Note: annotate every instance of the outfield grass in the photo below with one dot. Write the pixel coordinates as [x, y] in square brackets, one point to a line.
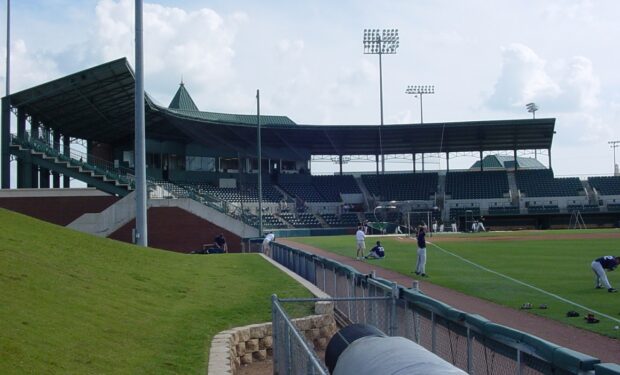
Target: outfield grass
[561, 267]
[74, 303]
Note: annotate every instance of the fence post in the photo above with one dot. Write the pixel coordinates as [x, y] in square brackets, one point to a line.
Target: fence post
[274, 333]
[393, 317]
[416, 316]
[470, 350]
[433, 332]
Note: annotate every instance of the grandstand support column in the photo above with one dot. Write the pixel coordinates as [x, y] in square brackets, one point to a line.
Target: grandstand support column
[515, 157]
[377, 161]
[6, 134]
[422, 162]
[66, 150]
[340, 163]
[24, 165]
[34, 134]
[548, 153]
[55, 174]
[44, 173]
[414, 155]
[481, 164]
[447, 161]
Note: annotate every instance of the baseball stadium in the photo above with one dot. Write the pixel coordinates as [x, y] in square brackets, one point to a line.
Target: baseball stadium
[508, 289]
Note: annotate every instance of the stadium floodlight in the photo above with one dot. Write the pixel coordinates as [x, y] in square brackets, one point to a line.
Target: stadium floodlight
[380, 42]
[614, 145]
[532, 108]
[419, 90]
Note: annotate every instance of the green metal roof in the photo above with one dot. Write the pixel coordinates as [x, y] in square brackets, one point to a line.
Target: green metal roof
[507, 162]
[182, 100]
[231, 118]
[183, 105]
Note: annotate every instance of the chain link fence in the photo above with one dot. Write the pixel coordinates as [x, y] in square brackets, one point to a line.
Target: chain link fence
[468, 341]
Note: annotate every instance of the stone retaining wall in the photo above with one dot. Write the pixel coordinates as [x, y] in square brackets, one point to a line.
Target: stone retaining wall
[243, 345]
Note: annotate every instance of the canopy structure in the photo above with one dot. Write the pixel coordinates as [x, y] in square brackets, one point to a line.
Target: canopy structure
[96, 104]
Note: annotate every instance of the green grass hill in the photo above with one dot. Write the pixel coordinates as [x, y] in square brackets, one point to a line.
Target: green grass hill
[74, 303]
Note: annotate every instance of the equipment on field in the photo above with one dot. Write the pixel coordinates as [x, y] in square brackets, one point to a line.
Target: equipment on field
[576, 220]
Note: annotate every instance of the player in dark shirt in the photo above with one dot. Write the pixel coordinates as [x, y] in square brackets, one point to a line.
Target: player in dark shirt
[220, 242]
[377, 252]
[599, 265]
[420, 268]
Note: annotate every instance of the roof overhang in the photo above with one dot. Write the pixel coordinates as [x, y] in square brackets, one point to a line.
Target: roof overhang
[98, 104]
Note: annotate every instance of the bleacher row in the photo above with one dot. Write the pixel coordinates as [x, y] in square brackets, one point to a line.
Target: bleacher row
[410, 186]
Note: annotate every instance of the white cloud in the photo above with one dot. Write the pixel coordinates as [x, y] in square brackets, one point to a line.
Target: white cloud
[197, 45]
[29, 68]
[523, 79]
[293, 48]
[562, 86]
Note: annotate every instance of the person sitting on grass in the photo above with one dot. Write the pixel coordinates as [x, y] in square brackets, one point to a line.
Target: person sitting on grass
[377, 252]
[598, 267]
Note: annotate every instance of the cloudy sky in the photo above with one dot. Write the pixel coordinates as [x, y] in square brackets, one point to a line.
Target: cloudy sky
[486, 59]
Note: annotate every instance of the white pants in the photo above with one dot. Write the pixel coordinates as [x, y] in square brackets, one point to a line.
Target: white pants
[267, 248]
[434, 227]
[441, 228]
[454, 227]
[601, 276]
[481, 227]
[421, 262]
[361, 248]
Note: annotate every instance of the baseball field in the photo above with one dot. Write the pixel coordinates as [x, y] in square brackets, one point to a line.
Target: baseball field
[550, 268]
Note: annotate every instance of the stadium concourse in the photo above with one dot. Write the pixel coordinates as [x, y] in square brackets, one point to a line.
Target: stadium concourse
[203, 169]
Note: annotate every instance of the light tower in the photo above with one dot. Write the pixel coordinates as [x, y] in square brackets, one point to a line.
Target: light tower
[614, 145]
[381, 42]
[419, 91]
[532, 108]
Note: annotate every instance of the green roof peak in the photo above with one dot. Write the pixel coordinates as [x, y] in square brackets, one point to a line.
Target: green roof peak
[182, 100]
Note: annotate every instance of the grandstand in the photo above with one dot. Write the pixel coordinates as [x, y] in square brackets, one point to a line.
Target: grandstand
[207, 163]
[477, 185]
[402, 186]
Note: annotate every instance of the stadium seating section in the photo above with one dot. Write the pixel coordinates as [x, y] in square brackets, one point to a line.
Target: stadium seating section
[477, 185]
[402, 187]
[248, 193]
[318, 188]
[544, 209]
[614, 207]
[344, 220]
[505, 210]
[301, 220]
[464, 211]
[541, 183]
[608, 185]
[583, 208]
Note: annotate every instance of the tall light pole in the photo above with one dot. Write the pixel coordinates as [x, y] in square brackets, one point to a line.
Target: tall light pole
[381, 42]
[8, 48]
[140, 142]
[419, 91]
[614, 145]
[532, 108]
[260, 166]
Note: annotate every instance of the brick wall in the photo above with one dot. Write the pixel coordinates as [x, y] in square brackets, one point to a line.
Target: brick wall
[57, 210]
[175, 229]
